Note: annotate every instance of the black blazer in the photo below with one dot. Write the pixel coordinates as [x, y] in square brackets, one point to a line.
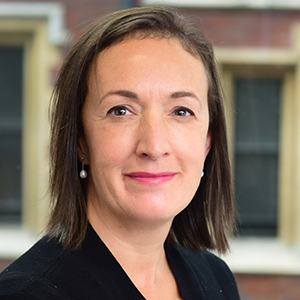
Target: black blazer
[47, 272]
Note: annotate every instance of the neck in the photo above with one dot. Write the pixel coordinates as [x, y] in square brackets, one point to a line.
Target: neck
[137, 246]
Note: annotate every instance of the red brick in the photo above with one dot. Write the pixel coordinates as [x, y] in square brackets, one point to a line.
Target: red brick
[265, 287]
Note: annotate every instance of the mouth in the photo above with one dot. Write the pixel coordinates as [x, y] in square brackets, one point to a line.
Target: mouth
[151, 178]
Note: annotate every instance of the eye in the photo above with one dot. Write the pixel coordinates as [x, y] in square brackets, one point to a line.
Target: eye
[119, 111]
[183, 112]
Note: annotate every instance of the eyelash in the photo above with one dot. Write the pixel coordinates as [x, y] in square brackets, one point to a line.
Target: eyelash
[185, 110]
[114, 109]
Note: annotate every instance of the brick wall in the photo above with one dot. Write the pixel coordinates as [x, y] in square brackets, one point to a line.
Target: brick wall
[81, 13]
[225, 28]
[245, 27]
[268, 287]
[4, 263]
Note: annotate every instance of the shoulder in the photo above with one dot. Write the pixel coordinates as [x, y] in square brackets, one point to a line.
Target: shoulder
[205, 260]
[212, 271]
[31, 266]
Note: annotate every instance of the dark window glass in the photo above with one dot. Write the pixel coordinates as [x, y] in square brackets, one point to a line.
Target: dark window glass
[10, 133]
[256, 154]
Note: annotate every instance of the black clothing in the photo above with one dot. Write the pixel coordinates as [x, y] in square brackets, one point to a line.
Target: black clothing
[47, 272]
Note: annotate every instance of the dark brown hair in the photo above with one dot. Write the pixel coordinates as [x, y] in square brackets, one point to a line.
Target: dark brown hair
[207, 220]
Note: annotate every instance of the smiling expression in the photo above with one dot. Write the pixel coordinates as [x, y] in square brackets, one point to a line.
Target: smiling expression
[146, 137]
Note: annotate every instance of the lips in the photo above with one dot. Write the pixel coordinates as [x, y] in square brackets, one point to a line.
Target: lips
[151, 178]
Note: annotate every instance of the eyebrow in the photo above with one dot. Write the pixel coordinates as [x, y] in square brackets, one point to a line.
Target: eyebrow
[122, 93]
[182, 94]
[132, 95]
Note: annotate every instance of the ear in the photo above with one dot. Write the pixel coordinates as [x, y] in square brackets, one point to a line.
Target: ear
[82, 149]
[208, 143]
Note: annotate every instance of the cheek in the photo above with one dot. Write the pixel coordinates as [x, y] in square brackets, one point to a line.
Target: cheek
[192, 141]
[193, 152]
[109, 146]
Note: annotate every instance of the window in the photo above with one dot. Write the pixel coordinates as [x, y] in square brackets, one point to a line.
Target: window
[261, 86]
[31, 36]
[256, 161]
[11, 61]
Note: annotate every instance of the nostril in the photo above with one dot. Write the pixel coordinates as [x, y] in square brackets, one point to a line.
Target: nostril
[153, 155]
[148, 155]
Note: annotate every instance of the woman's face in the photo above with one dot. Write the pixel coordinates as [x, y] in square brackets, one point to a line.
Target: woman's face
[146, 136]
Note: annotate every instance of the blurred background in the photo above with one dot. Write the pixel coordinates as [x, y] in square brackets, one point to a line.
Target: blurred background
[257, 44]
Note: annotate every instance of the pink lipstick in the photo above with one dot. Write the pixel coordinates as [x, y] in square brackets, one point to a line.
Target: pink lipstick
[151, 178]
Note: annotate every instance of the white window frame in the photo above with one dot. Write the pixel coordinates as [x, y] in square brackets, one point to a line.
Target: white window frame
[52, 12]
[39, 29]
[280, 255]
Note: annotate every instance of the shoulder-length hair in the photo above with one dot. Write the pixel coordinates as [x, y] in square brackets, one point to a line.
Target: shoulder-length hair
[206, 222]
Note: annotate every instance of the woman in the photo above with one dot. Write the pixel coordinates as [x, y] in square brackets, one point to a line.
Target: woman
[140, 177]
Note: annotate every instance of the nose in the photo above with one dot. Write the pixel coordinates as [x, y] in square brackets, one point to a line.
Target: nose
[153, 137]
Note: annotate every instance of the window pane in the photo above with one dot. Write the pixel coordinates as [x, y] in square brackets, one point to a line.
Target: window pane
[256, 154]
[10, 133]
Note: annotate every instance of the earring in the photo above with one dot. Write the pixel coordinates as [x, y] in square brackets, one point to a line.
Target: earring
[202, 174]
[83, 173]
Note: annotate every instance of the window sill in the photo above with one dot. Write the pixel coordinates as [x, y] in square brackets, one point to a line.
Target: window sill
[247, 256]
[263, 256]
[15, 240]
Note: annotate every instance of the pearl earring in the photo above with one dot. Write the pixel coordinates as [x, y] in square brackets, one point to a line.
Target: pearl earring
[83, 173]
[202, 174]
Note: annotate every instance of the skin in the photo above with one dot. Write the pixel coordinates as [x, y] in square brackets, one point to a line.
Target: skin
[146, 138]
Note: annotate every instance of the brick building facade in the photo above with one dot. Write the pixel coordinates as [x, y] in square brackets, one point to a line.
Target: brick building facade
[254, 45]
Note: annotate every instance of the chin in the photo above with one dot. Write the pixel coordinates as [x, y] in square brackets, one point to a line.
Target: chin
[157, 214]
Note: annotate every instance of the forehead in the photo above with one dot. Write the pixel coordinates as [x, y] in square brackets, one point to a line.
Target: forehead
[147, 56]
[134, 45]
